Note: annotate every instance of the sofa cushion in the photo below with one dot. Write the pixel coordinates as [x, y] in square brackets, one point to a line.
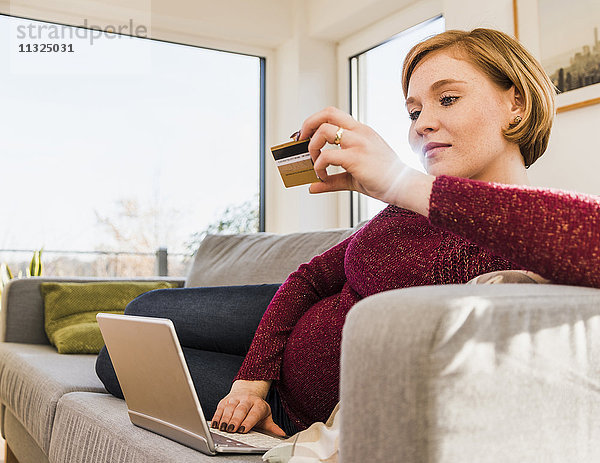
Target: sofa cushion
[225, 260]
[34, 377]
[95, 428]
[71, 308]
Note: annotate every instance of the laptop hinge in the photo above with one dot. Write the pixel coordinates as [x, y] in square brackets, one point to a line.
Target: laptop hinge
[173, 432]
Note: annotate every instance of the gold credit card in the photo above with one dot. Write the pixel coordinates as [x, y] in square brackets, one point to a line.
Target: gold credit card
[294, 163]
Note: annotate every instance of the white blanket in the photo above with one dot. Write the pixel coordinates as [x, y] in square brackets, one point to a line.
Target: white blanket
[319, 443]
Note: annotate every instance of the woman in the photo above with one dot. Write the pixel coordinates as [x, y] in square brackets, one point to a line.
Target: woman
[481, 109]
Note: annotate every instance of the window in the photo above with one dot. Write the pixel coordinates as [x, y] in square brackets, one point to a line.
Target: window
[119, 144]
[377, 99]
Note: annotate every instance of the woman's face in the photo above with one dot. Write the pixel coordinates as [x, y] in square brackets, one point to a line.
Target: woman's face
[457, 116]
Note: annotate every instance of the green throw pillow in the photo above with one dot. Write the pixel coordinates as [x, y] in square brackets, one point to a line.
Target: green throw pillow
[71, 308]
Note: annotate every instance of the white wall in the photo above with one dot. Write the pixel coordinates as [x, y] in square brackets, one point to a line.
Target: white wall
[300, 40]
[305, 82]
[572, 161]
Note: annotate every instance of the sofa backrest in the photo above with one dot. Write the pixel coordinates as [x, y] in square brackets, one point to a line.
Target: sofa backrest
[221, 260]
[257, 258]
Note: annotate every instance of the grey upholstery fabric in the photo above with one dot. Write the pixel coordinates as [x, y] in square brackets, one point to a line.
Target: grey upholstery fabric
[95, 428]
[21, 443]
[22, 314]
[34, 377]
[485, 373]
[24, 322]
[228, 260]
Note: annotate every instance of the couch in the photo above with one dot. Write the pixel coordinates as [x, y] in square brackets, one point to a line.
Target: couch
[486, 373]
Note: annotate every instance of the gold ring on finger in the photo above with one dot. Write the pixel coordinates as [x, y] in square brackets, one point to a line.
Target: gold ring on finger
[338, 136]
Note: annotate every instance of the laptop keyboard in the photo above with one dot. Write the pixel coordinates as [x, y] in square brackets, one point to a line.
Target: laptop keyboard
[252, 439]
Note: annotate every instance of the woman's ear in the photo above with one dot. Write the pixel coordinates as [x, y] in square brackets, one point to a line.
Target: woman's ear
[517, 101]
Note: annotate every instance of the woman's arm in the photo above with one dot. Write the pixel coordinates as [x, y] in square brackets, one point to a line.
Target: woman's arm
[550, 232]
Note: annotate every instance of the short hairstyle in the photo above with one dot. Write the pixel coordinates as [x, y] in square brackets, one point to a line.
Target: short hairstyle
[506, 62]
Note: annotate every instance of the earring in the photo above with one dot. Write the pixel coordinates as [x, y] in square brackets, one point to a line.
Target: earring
[517, 120]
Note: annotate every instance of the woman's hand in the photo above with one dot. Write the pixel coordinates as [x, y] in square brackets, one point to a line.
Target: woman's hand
[371, 166]
[245, 408]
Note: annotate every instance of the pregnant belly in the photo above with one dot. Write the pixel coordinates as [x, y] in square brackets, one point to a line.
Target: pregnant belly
[309, 381]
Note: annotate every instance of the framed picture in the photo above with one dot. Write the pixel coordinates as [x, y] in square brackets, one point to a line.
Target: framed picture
[565, 37]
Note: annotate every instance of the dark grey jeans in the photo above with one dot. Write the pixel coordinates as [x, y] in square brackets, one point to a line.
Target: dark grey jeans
[215, 327]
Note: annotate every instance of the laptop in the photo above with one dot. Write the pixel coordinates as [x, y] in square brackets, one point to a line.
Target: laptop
[158, 388]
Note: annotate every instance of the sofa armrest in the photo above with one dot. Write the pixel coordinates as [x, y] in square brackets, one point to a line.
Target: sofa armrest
[490, 373]
[22, 314]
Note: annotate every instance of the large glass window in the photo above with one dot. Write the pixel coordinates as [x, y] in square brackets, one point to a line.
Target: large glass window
[115, 146]
[377, 99]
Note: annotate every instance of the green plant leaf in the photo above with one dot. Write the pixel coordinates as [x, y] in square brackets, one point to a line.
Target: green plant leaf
[35, 267]
[5, 276]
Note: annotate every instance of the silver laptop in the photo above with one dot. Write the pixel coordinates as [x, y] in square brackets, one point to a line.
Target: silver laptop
[158, 388]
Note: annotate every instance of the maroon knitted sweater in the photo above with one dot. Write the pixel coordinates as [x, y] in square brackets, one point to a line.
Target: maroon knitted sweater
[470, 225]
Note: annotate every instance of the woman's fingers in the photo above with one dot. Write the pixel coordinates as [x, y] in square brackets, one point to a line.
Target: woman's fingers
[270, 426]
[234, 415]
[216, 419]
[233, 409]
[345, 158]
[228, 411]
[259, 412]
[337, 182]
[371, 166]
[240, 413]
[318, 141]
[327, 133]
[330, 115]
